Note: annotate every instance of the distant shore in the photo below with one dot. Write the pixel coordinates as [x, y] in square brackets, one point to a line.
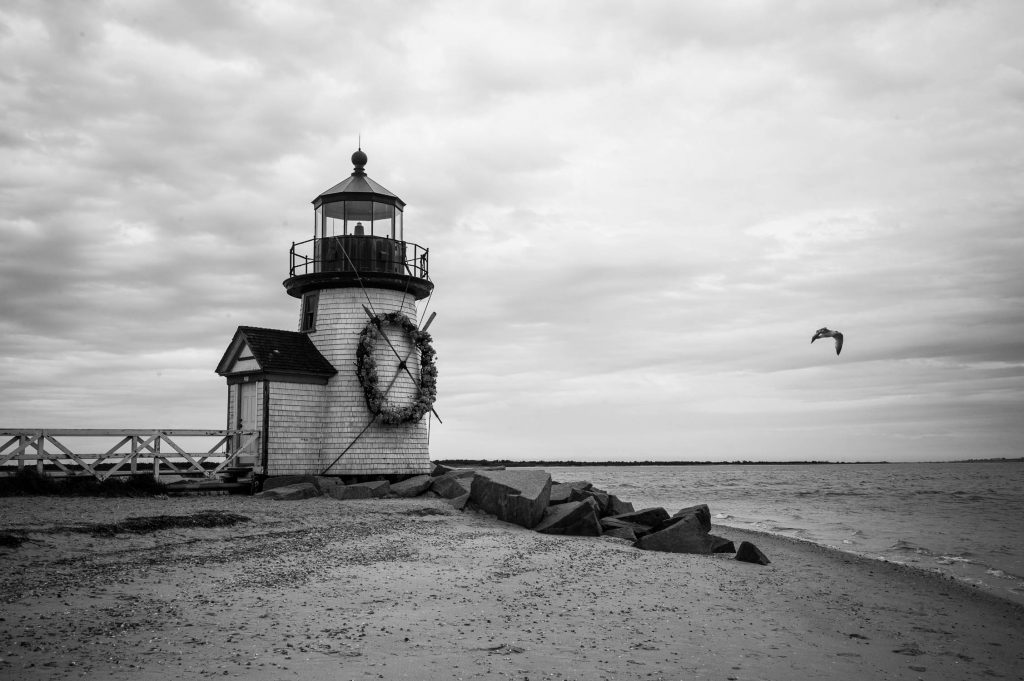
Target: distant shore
[478, 463]
[411, 589]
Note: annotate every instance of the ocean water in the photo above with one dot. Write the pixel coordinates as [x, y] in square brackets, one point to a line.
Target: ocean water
[965, 520]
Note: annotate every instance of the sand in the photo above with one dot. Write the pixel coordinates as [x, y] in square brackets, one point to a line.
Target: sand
[411, 589]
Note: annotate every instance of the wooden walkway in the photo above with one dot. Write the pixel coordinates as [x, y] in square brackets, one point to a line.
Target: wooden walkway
[197, 454]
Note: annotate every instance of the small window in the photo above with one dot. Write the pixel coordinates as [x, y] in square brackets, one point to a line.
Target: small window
[309, 305]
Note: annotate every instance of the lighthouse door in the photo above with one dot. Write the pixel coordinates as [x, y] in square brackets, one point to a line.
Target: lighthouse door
[247, 408]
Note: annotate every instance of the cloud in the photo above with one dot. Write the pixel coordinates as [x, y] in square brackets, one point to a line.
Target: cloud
[636, 216]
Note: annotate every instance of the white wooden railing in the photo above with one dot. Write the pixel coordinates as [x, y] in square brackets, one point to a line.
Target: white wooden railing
[104, 453]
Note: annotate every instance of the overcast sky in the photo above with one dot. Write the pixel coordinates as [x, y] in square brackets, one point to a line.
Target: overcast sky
[637, 214]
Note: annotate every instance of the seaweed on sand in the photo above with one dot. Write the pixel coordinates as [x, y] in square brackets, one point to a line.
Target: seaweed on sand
[29, 482]
[146, 524]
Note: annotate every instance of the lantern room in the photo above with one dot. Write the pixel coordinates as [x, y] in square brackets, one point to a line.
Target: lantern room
[358, 206]
[358, 240]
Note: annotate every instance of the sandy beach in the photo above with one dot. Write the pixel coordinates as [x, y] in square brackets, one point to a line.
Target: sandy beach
[412, 589]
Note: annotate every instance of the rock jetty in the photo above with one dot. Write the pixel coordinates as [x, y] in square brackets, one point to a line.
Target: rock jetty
[531, 499]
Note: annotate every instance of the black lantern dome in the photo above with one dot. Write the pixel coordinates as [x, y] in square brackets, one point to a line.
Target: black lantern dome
[358, 233]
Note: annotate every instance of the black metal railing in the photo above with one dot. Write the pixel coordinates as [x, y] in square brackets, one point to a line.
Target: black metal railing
[359, 254]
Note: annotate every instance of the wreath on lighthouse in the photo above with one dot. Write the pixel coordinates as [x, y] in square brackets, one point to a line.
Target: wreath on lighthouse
[366, 370]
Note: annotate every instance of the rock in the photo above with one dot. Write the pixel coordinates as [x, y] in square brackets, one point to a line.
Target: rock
[575, 484]
[561, 491]
[412, 487]
[701, 511]
[618, 507]
[648, 517]
[516, 496]
[748, 553]
[302, 490]
[600, 497]
[346, 492]
[440, 469]
[378, 488]
[608, 524]
[288, 480]
[621, 533]
[324, 483]
[560, 494]
[575, 518]
[449, 486]
[686, 535]
[459, 502]
[721, 545]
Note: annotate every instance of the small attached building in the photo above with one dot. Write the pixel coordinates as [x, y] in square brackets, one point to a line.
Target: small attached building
[277, 383]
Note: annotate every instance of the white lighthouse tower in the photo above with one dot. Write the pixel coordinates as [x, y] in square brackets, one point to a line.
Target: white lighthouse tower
[349, 393]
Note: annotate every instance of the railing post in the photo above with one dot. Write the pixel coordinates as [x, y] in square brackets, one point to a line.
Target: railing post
[155, 446]
[40, 451]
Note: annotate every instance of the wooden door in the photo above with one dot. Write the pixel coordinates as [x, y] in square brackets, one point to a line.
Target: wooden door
[247, 409]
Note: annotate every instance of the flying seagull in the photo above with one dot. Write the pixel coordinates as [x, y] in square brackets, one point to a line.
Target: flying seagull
[825, 332]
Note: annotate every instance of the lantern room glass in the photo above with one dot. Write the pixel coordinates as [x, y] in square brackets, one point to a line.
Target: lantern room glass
[367, 218]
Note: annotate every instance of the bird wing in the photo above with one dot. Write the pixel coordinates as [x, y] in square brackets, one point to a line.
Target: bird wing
[839, 341]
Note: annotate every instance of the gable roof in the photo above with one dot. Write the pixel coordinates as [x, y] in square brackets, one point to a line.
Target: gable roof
[276, 351]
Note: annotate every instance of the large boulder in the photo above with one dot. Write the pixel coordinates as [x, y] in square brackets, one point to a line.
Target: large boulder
[600, 497]
[450, 486]
[412, 487]
[288, 481]
[561, 492]
[721, 545]
[748, 553]
[617, 506]
[324, 483]
[517, 496]
[621, 533]
[648, 517]
[348, 492]
[441, 469]
[301, 490]
[608, 524]
[378, 488]
[702, 513]
[576, 518]
[686, 535]
[459, 502]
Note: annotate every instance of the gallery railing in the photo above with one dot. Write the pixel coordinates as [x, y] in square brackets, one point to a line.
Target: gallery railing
[359, 254]
[104, 453]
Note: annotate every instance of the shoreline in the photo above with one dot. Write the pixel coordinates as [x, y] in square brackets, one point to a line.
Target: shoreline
[327, 589]
[572, 463]
[967, 573]
[971, 586]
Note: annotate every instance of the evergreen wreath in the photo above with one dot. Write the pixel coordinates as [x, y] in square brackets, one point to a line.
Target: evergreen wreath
[366, 370]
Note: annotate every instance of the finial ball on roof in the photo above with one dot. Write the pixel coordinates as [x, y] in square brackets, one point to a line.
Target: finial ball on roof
[359, 158]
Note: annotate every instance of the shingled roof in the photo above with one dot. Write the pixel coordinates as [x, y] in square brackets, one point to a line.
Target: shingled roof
[279, 352]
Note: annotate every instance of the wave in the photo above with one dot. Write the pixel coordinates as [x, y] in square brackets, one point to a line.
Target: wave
[904, 546]
[784, 529]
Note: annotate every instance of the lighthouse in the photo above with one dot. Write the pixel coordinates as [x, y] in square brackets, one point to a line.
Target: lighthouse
[350, 392]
